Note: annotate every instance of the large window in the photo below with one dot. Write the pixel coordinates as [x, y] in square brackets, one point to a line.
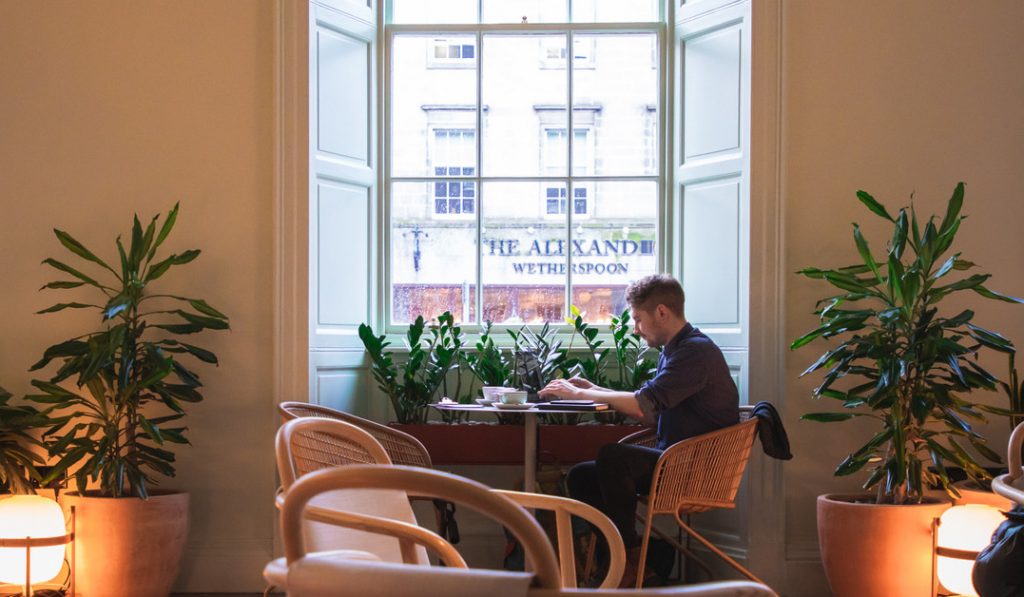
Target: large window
[495, 211]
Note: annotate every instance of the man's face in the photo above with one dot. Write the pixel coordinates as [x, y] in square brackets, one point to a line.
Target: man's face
[649, 325]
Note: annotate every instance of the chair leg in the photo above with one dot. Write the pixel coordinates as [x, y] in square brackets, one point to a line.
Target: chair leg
[640, 565]
[588, 568]
[689, 530]
[684, 550]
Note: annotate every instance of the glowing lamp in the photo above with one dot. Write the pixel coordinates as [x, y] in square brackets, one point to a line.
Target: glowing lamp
[963, 532]
[32, 539]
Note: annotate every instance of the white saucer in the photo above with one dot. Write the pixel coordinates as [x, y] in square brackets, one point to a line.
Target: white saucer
[484, 402]
[503, 406]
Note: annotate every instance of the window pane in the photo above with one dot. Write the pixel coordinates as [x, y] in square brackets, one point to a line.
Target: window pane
[433, 262]
[620, 94]
[523, 255]
[613, 247]
[433, 106]
[614, 11]
[434, 11]
[520, 98]
[535, 11]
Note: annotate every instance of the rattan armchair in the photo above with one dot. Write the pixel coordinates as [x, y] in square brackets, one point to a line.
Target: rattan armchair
[695, 475]
[402, 448]
[349, 525]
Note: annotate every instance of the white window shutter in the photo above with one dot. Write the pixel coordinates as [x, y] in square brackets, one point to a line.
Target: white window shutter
[342, 198]
[712, 195]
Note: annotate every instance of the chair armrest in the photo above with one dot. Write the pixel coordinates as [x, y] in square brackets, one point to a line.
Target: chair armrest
[420, 481]
[564, 507]
[402, 531]
[645, 437]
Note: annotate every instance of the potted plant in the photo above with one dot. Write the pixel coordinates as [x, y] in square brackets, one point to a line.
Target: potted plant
[18, 459]
[437, 353]
[898, 359]
[110, 384]
[433, 355]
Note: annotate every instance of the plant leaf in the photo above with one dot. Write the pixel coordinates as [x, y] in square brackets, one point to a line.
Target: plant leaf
[873, 205]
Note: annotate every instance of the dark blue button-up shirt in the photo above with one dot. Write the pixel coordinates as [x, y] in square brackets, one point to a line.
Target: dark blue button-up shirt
[692, 392]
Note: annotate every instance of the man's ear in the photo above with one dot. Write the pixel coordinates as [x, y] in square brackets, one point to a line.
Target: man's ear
[661, 311]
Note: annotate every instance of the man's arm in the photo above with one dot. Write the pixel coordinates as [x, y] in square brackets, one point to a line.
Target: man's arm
[623, 402]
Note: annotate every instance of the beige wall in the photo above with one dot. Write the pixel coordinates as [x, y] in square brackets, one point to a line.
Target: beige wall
[108, 108]
[892, 98]
[112, 107]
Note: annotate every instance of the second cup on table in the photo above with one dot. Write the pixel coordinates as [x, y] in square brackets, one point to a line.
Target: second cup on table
[513, 397]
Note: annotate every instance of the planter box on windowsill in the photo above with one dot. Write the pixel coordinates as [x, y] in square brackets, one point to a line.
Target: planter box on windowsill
[490, 443]
[468, 443]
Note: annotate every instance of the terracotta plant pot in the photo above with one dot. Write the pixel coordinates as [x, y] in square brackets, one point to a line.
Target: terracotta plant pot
[127, 546]
[872, 550]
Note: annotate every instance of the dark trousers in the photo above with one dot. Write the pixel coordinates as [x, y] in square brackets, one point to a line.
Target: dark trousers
[611, 484]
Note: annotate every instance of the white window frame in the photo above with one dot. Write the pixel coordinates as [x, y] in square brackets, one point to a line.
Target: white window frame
[664, 178]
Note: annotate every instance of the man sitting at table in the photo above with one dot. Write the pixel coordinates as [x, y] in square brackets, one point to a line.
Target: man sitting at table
[691, 393]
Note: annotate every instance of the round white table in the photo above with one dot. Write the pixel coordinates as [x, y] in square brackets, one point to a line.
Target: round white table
[529, 430]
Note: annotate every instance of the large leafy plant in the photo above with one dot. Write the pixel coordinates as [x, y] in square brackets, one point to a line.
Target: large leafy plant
[110, 381]
[903, 362]
[18, 459]
[431, 357]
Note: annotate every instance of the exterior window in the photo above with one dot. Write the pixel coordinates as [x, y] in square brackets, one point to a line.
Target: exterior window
[556, 203]
[554, 154]
[451, 52]
[453, 156]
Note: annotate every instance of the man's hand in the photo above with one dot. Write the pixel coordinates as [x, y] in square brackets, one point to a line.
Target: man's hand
[579, 382]
[562, 388]
[577, 388]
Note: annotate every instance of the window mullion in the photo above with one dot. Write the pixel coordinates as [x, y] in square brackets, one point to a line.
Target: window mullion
[479, 298]
[570, 187]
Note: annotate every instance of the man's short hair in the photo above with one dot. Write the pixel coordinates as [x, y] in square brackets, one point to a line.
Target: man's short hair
[657, 289]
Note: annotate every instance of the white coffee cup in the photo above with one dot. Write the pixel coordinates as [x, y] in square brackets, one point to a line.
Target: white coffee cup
[492, 393]
[513, 397]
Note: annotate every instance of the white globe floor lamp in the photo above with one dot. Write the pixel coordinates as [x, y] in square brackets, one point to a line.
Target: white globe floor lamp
[33, 537]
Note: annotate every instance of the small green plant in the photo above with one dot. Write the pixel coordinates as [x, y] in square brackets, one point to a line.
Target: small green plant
[18, 459]
[907, 365]
[537, 357]
[489, 363]
[431, 358]
[110, 380]
[592, 366]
